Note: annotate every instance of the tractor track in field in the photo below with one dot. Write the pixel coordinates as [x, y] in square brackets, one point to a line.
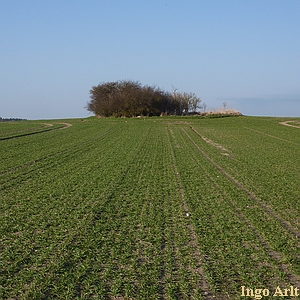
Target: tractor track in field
[286, 123]
[46, 129]
[272, 136]
[24, 130]
[266, 208]
[204, 286]
[162, 284]
[293, 278]
[33, 162]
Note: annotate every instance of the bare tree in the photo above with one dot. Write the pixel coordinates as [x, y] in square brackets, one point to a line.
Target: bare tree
[194, 102]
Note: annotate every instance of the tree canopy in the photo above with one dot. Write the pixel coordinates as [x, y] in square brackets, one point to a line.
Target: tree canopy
[129, 99]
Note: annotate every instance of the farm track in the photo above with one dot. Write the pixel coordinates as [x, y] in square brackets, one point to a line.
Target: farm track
[285, 223]
[64, 151]
[24, 130]
[195, 244]
[74, 234]
[287, 123]
[48, 127]
[272, 136]
[243, 167]
[148, 209]
[67, 125]
[293, 278]
[99, 214]
[275, 258]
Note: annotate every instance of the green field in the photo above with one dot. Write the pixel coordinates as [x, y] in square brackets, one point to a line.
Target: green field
[149, 208]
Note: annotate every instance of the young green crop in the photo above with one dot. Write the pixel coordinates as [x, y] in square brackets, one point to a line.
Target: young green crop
[148, 208]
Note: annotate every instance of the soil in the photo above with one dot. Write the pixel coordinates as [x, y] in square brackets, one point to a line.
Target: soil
[286, 123]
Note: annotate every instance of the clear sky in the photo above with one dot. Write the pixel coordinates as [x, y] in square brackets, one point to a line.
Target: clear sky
[242, 52]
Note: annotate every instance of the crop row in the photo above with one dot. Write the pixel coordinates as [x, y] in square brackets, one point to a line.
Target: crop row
[231, 227]
[141, 209]
[102, 222]
[267, 166]
[21, 129]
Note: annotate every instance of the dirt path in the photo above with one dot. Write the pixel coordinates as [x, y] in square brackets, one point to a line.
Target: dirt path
[67, 125]
[286, 123]
[51, 124]
[47, 124]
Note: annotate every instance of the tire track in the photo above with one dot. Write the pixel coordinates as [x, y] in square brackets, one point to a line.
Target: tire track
[293, 278]
[25, 130]
[162, 283]
[199, 257]
[47, 128]
[28, 133]
[30, 163]
[67, 125]
[272, 136]
[285, 223]
[94, 209]
[286, 123]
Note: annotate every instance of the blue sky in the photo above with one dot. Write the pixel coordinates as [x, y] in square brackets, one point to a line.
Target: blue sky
[242, 52]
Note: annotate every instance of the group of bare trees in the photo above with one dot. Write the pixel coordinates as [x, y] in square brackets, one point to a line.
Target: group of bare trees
[130, 98]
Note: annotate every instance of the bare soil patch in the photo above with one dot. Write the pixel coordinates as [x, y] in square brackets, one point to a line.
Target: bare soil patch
[67, 125]
[47, 124]
[51, 124]
[296, 124]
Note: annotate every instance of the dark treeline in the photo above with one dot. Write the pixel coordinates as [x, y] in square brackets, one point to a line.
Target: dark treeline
[130, 98]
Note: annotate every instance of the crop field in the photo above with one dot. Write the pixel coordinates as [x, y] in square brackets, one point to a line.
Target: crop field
[150, 208]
